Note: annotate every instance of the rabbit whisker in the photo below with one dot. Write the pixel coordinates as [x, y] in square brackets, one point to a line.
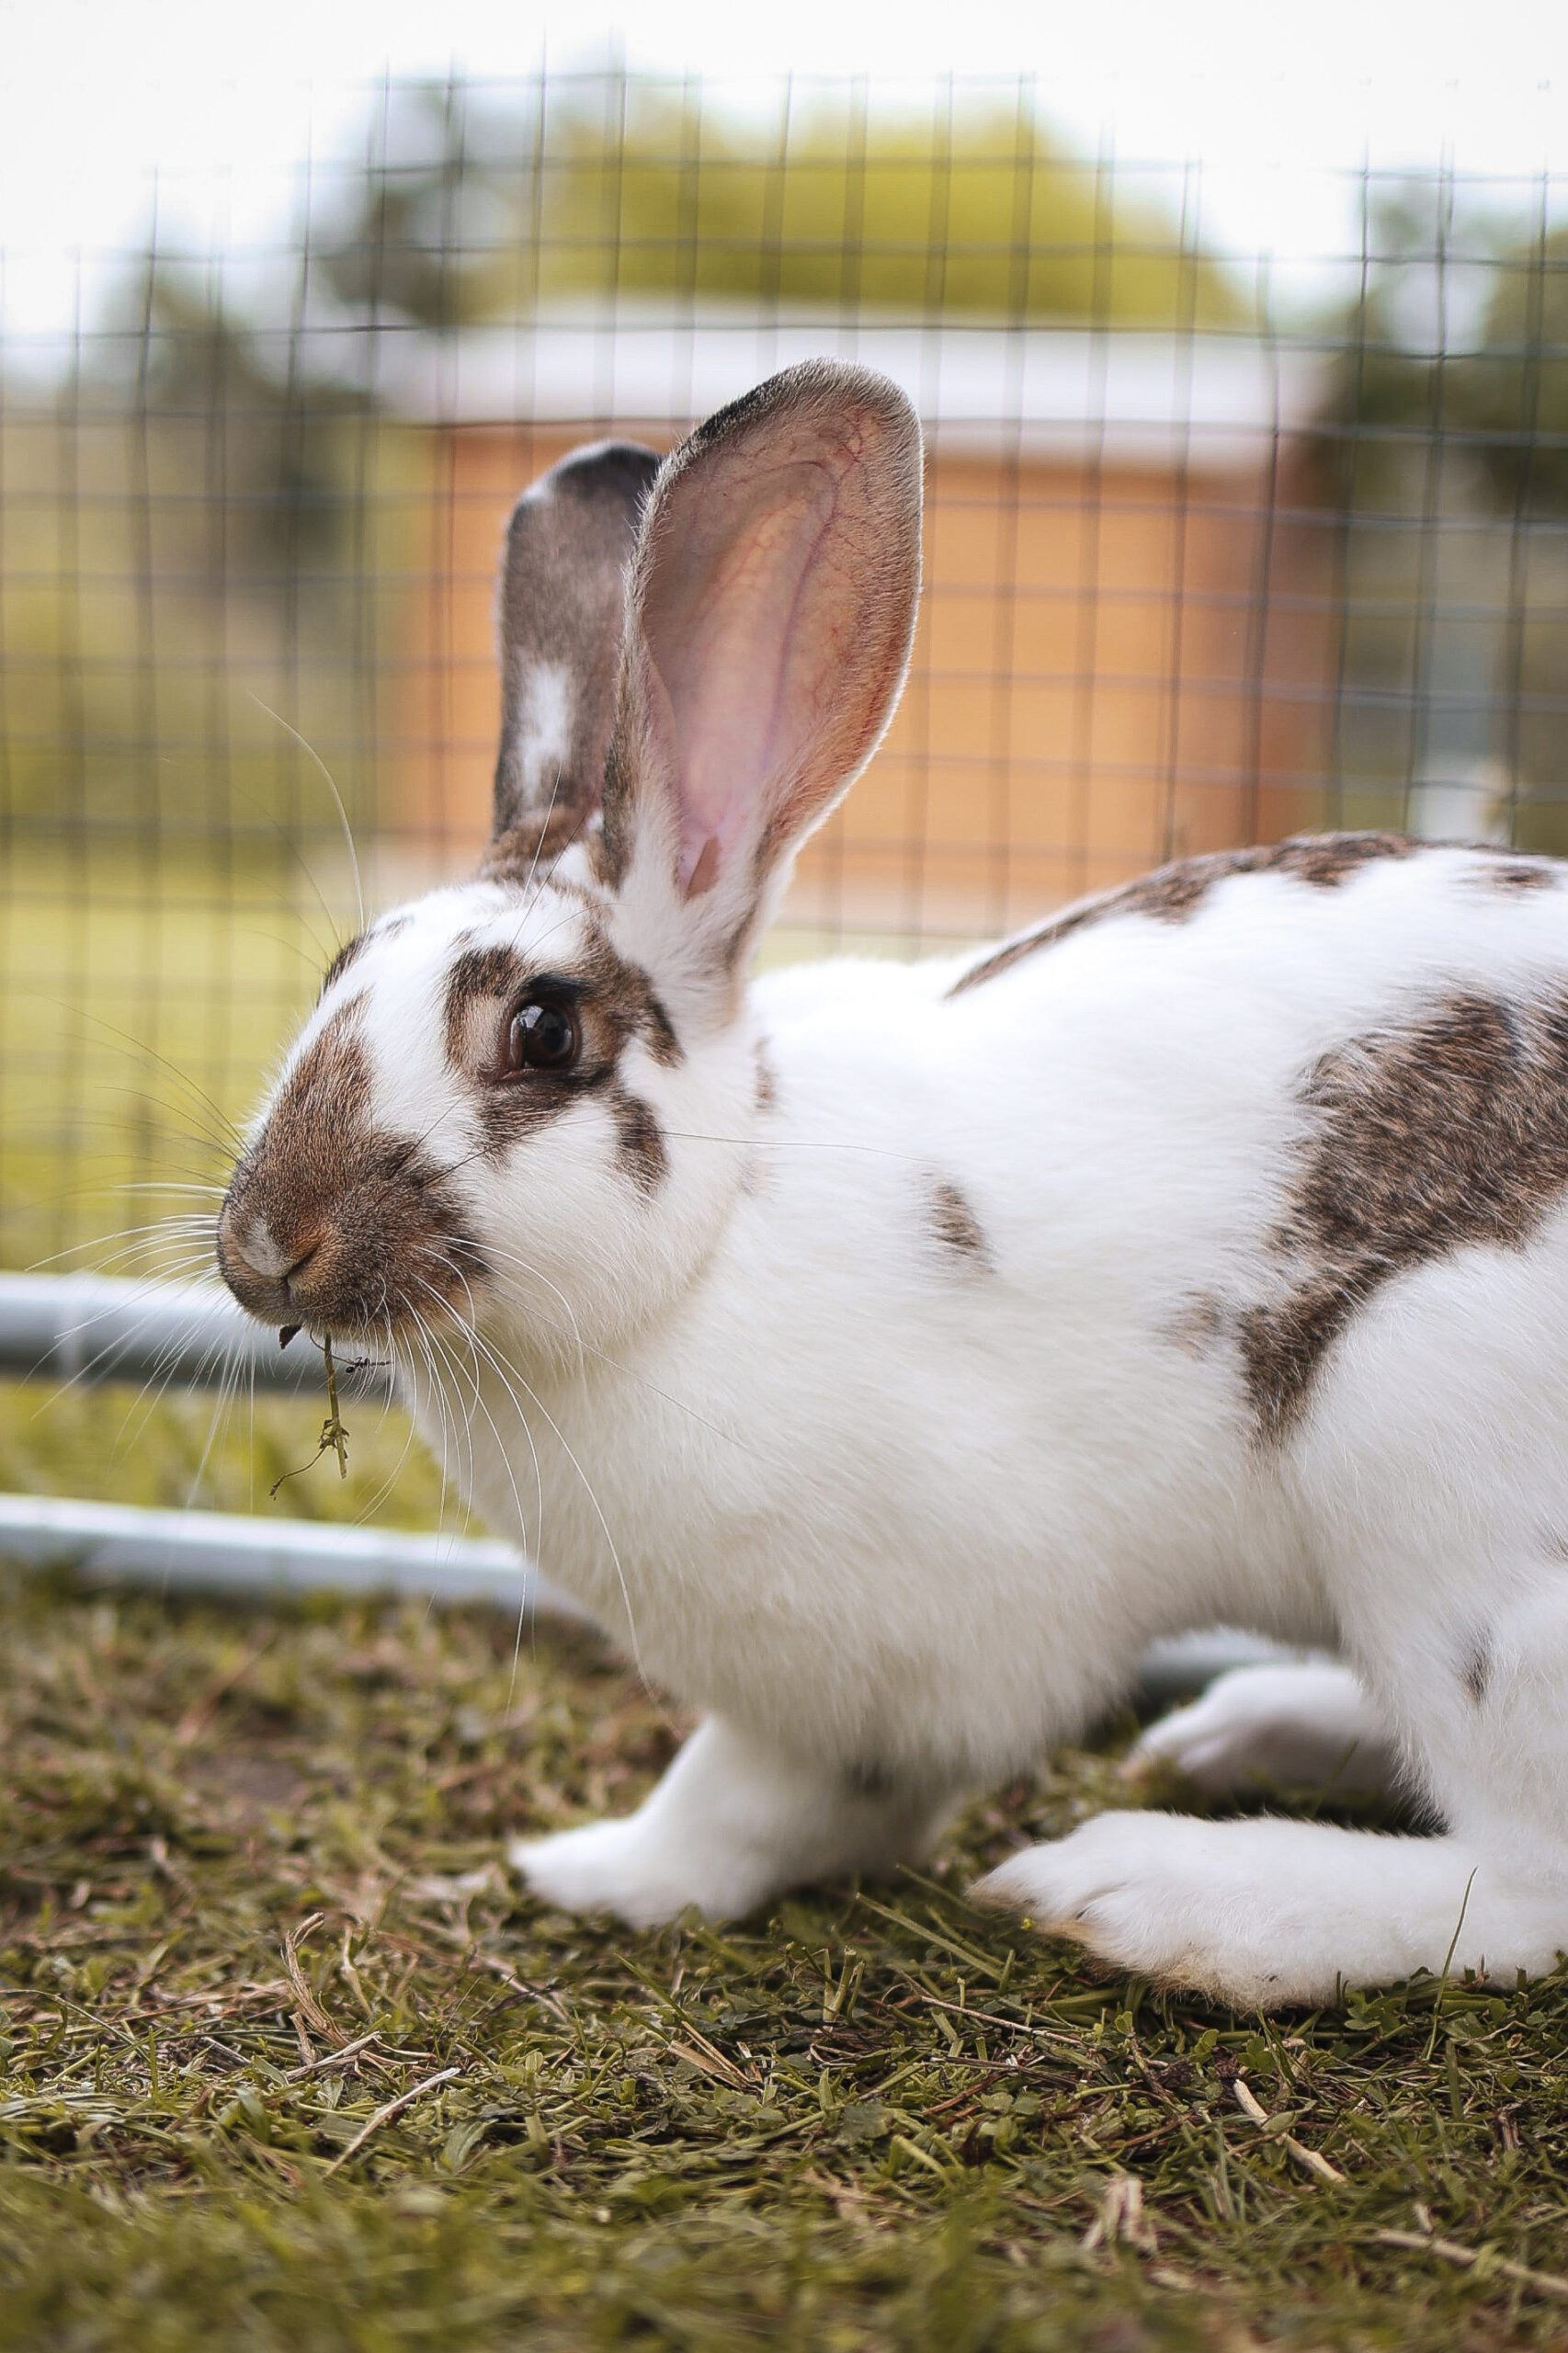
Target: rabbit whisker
[311, 754]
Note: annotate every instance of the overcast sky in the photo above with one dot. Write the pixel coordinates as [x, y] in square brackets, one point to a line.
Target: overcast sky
[1278, 102]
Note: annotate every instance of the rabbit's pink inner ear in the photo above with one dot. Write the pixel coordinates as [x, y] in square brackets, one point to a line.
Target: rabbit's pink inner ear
[774, 608]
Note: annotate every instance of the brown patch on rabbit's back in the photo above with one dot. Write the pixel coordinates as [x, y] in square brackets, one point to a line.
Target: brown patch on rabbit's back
[1448, 1130]
[1172, 894]
[955, 1224]
[1518, 874]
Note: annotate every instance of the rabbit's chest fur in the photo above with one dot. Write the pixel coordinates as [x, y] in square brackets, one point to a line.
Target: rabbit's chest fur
[973, 1398]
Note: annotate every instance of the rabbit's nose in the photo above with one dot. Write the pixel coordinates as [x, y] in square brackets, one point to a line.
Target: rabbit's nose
[257, 1264]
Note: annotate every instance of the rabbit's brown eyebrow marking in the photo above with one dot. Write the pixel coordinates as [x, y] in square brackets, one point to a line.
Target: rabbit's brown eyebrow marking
[478, 976]
[620, 990]
[767, 1083]
[639, 1141]
[1172, 894]
[628, 996]
[1450, 1129]
[955, 1224]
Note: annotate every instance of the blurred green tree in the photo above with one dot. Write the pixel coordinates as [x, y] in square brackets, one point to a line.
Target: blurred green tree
[1458, 346]
[468, 210]
[975, 209]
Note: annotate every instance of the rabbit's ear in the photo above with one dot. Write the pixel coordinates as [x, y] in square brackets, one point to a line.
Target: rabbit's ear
[562, 602]
[769, 615]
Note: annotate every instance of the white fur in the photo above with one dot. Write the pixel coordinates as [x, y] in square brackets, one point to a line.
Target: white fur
[545, 733]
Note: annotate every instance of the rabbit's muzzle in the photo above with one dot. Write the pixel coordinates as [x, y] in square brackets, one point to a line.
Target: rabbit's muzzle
[362, 1239]
[332, 1221]
[384, 1250]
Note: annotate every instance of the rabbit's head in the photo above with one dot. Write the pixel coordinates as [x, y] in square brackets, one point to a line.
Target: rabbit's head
[528, 1101]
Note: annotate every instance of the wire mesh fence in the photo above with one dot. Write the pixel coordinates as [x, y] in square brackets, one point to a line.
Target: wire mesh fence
[1217, 549]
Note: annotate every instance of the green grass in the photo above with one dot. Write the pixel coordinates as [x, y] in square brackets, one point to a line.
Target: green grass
[144, 994]
[285, 2062]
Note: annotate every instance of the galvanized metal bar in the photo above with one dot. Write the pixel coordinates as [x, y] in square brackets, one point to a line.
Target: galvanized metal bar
[247, 1559]
[90, 1328]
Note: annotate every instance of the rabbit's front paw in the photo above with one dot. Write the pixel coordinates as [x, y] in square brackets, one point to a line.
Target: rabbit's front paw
[602, 1868]
[629, 1868]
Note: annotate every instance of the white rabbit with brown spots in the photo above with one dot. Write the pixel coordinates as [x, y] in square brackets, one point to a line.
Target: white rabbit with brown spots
[885, 1356]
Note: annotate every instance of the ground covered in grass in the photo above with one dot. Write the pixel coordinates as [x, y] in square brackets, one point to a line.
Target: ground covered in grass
[285, 2063]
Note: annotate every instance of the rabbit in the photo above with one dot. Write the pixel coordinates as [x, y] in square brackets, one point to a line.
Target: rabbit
[883, 1355]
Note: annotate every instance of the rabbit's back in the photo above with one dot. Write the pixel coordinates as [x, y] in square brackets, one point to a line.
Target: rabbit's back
[1068, 1252]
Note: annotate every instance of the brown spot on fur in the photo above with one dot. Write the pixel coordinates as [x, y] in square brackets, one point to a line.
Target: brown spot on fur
[611, 844]
[1174, 893]
[639, 1141]
[1451, 1129]
[526, 852]
[957, 1227]
[1476, 1670]
[767, 1085]
[1518, 874]
[1197, 1327]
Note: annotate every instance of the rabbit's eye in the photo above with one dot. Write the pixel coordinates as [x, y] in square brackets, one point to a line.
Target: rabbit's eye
[543, 1035]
